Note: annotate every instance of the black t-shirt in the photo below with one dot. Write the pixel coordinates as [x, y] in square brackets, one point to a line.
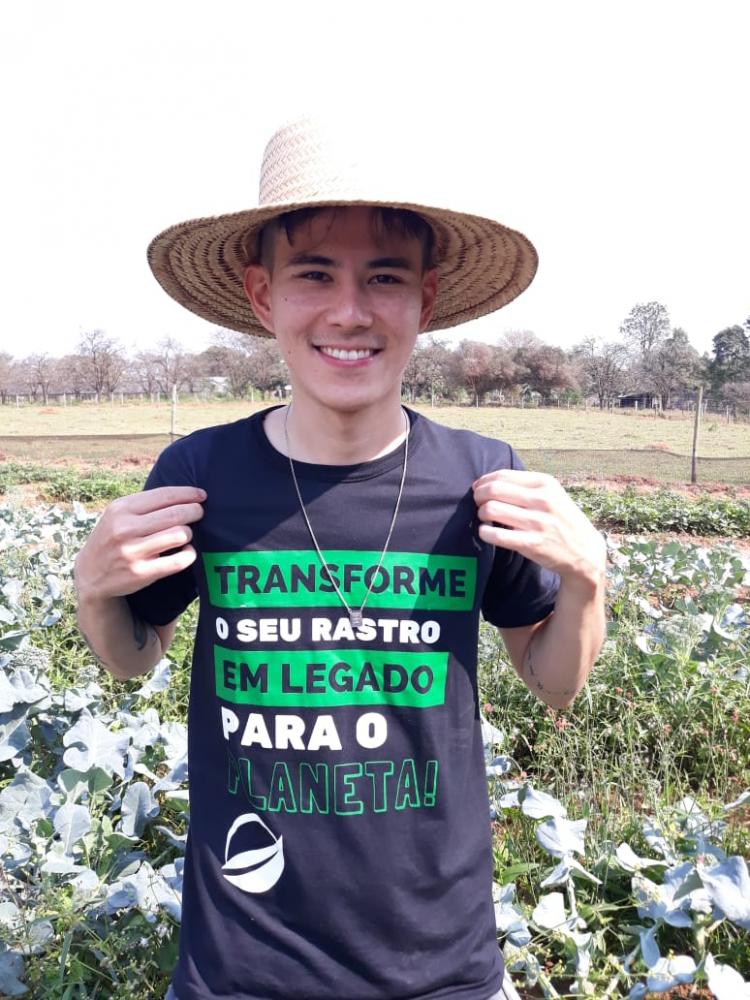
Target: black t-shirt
[339, 842]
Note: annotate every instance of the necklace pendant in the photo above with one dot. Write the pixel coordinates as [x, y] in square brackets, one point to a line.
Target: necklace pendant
[355, 617]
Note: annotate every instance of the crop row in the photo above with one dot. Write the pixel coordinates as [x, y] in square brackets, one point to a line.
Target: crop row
[620, 826]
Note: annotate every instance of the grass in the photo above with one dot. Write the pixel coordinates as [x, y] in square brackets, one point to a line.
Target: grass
[524, 428]
[568, 444]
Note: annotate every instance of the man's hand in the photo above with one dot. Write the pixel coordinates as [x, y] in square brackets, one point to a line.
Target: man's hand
[123, 552]
[538, 519]
[530, 513]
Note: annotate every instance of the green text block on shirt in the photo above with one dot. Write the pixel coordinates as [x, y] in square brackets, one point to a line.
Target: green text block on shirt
[409, 580]
[331, 677]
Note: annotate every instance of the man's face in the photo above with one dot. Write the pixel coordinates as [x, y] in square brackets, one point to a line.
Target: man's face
[346, 302]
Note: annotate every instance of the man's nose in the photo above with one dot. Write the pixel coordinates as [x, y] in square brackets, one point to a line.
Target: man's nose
[350, 307]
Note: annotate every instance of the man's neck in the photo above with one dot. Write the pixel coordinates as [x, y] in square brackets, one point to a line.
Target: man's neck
[336, 438]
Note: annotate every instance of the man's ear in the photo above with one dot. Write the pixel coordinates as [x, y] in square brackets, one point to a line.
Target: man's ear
[429, 294]
[257, 285]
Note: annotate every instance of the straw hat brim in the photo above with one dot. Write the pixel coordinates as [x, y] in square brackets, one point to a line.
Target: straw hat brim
[482, 264]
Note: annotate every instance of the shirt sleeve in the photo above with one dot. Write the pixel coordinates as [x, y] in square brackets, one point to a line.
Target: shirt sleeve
[162, 601]
[518, 592]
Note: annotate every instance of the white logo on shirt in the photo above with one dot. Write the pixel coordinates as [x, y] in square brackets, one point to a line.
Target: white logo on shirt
[256, 870]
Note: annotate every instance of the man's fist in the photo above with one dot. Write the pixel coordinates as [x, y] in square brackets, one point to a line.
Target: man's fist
[531, 513]
[124, 551]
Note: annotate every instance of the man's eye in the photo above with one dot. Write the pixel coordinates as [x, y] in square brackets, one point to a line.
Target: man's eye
[385, 279]
[314, 275]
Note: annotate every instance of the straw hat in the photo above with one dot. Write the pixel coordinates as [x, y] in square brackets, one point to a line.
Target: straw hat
[482, 264]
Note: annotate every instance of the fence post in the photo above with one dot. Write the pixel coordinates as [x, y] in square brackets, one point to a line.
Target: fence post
[174, 411]
[696, 427]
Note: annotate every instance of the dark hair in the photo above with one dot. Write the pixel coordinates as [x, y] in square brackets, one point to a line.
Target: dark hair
[401, 221]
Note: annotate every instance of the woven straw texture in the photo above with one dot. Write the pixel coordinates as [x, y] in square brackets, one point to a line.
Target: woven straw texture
[482, 264]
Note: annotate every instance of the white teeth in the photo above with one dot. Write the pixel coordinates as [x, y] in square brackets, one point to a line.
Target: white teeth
[337, 352]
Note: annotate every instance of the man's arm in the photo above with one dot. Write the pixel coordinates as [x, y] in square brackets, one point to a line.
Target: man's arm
[123, 554]
[553, 657]
[119, 640]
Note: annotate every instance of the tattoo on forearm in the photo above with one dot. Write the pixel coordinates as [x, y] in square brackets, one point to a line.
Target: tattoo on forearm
[88, 642]
[142, 633]
[534, 681]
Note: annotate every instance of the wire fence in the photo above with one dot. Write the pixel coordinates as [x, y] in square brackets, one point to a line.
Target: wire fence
[649, 465]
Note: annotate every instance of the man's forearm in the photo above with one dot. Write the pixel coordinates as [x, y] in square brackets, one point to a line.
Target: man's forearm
[562, 652]
[121, 642]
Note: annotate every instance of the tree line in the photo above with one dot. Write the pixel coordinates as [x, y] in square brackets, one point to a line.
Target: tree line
[650, 362]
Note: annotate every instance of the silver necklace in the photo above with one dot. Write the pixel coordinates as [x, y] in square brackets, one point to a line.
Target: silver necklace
[355, 614]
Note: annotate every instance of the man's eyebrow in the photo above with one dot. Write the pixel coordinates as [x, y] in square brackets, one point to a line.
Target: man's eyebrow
[304, 258]
[399, 263]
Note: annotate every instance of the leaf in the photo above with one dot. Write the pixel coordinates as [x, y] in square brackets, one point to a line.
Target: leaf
[509, 920]
[499, 766]
[631, 862]
[38, 934]
[72, 822]
[728, 888]
[86, 887]
[658, 842]
[649, 947]
[562, 872]
[725, 982]
[24, 801]
[10, 915]
[145, 890]
[741, 801]
[539, 805]
[101, 747]
[562, 836]
[158, 681]
[11, 971]
[12, 640]
[14, 733]
[657, 901]
[138, 807]
[75, 783]
[549, 913]
[670, 972]
[61, 864]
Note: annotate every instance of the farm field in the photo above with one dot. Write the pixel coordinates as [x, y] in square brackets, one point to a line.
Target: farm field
[524, 428]
[621, 827]
[570, 444]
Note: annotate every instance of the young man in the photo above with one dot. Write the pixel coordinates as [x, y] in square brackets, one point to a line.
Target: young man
[342, 548]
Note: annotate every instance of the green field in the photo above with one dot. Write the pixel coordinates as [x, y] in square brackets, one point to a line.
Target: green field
[567, 443]
[524, 428]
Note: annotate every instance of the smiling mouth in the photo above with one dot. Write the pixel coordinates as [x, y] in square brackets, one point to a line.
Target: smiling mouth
[341, 354]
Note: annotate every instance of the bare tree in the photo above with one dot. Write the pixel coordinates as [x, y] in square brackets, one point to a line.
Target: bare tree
[73, 374]
[103, 361]
[231, 357]
[41, 373]
[268, 370]
[144, 371]
[604, 366]
[171, 365]
[6, 375]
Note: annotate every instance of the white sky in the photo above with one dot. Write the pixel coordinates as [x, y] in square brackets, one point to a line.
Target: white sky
[615, 135]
